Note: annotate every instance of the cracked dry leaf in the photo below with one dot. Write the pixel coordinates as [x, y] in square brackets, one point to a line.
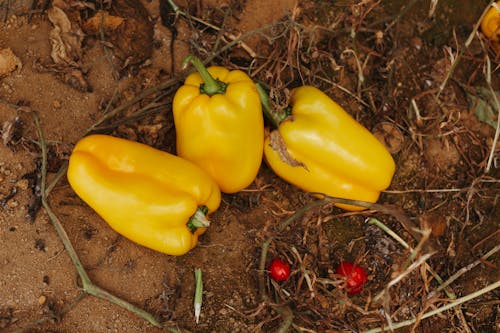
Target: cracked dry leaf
[65, 39]
[9, 62]
[278, 144]
[102, 20]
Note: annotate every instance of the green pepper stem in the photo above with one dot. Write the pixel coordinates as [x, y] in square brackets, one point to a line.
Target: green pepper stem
[211, 85]
[274, 117]
[198, 294]
[199, 219]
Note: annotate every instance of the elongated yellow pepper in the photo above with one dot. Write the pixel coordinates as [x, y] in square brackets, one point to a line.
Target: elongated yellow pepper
[321, 148]
[219, 125]
[151, 197]
[490, 25]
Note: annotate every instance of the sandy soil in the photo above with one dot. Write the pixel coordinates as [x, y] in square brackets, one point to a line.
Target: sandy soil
[39, 287]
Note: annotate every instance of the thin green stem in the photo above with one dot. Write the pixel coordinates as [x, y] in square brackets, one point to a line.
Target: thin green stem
[262, 268]
[399, 214]
[55, 220]
[283, 225]
[274, 117]
[198, 294]
[401, 241]
[87, 284]
[285, 311]
[145, 93]
[497, 106]
[267, 243]
[461, 51]
[174, 6]
[107, 49]
[288, 318]
[388, 231]
[448, 306]
[210, 86]
[97, 291]
[199, 219]
[467, 268]
[60, 173]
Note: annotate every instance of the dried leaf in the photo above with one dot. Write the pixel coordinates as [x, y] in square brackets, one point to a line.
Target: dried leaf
[278, 144]
[390, 136]
[65, 40]
[434, 221]
[9, 62]
[127, 28]
[11, 131]
[102, 20]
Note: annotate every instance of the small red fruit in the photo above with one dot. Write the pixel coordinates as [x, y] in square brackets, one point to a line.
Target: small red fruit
[279, 270]
[355, 274]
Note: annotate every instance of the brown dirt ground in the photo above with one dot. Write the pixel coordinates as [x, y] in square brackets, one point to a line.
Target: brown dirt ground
[447, 148]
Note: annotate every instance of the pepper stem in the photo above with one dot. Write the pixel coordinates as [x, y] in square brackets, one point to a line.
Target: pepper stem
[199, 219]
[274, 117]
[198, 294]
[211, 86]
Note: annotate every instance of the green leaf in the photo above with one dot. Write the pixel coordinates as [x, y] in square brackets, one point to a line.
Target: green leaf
[483, 104]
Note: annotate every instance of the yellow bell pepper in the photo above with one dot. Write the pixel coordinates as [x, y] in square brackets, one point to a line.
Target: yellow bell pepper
[320, 148]
[151, 197]
[490, 25]
[219, 124]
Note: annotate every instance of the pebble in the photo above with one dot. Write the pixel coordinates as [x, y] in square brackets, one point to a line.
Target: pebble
[8, 89]
[416, 43]
[22, 184]
[12, 203]
[42, 299]
[56, 104]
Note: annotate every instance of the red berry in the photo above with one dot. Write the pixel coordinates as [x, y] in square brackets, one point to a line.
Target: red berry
[279, 270]
[355, 276]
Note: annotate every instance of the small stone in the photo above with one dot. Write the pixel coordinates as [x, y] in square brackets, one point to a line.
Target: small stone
[12, 203]
[56, 104]
[22, 184]
[42, 299]
[40, 245]
[416, 43]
